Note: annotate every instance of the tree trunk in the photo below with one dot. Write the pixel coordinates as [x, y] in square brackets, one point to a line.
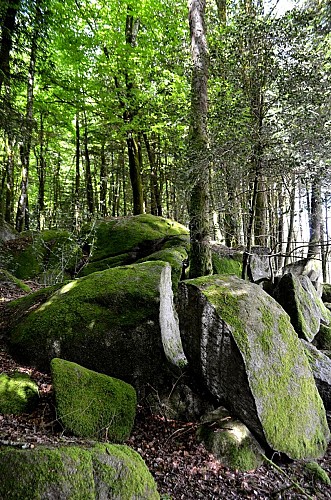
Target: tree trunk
[88, 175]
[291, 223]
[156, 205]
[103, 182]
[314, 247]
[7, 30]
[41, 170]
[22, 215]
[200, 253]
[9, 202]
[135, 177]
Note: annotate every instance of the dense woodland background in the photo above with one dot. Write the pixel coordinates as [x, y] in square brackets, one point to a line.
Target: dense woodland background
[98, 110]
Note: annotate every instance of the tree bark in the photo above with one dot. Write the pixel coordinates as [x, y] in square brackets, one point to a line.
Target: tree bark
[314, 247]
[88, 175]
[22, 214]
[7, 30]
[200, 253]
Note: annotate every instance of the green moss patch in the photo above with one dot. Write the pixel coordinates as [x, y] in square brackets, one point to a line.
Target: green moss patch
[226, 265]
[18, 393]
[117, 236]
[75, 473]
[10, 282]
[91, 404]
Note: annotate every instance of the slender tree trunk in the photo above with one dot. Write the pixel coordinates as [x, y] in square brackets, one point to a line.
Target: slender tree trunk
[7, 30]
[200, 253]
[41, 171]
[135, 177]
[156, 205]
[314, 247]
[103, 182]
[9, 202]
[88, 175]
[250, 227]
[22, 215]
[77, 207]
[291, 223]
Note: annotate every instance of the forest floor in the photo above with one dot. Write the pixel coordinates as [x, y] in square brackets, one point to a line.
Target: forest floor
[181, 466]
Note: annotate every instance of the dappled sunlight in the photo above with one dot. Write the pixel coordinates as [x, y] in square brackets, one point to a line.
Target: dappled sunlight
[67, 287]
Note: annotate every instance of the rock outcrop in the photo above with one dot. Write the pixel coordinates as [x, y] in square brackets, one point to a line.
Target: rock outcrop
[108, 322]
[18, 393]
[240, 342]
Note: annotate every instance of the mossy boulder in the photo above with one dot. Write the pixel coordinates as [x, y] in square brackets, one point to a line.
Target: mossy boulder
[102, 471]
[7, 232]
[48, 256]
[230, 441]
[240, 343]
[321, 368]
[298, 297]
[18, 393]
[125, 240]
[91, 404]
[108, 322]
[9, 283]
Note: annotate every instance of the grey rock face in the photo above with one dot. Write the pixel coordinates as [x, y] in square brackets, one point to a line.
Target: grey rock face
[240, 342]
[298, 297]
[321, 367]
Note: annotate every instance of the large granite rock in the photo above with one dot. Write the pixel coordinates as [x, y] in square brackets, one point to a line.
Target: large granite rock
[91, 404]
[108, 322]
[240, 342]
[104, 471]
[126, 240]
[321, 367]
[298, 297]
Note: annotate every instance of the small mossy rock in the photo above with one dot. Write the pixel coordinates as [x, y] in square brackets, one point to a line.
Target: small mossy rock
[75, 473]
[321, 367]
[101, 265]
[92, 405]
[47, 255]
[240, 343]
[9, 283]
[226, 265]
[230, 441]
[298, 297]
[317, 472]
[323, 338]
[108, 322]
[18, 393]
[121, 235]
[326, 294]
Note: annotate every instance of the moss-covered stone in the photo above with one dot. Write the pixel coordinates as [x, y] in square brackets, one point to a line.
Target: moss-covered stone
[18, 393]
[225, 323]
[300, 300]
[175, 256]
[9, 282]
[47, 254]
[75, 473]
[317, 472]
[119, 472]
[226, 265]
[107, 322]
[121, 235]
[230, 441]
[91, 404]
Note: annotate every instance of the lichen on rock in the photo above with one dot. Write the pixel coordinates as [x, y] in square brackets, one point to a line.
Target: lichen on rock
[240, 342]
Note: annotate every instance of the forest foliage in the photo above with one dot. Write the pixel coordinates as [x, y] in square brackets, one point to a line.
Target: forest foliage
[96, 114]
